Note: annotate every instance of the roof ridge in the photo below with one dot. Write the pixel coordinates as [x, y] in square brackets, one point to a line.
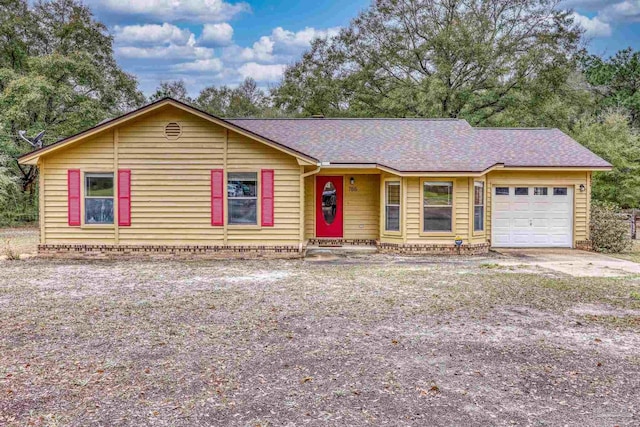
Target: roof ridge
[348, 118]
[513, 128]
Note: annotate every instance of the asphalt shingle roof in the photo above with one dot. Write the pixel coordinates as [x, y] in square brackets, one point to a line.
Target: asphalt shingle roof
[423, 145]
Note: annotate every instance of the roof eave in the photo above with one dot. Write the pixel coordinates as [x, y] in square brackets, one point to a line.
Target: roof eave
[32, 157]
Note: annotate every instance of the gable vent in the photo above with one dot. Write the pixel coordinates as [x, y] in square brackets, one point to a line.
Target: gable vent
[172, 130]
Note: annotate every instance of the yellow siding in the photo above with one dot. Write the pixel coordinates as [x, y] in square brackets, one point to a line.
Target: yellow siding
[309, 207]
[170, 184]
[361, 204]
[245, 154]
[461, 219]
[95, 155]
[171, 179]
[574, 179]
[171, 199]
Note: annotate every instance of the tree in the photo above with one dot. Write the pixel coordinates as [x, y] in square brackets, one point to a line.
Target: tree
[613, 139]
[57, 74]
[435, 58]
[174, 89]
[616, 81]
[247, 100]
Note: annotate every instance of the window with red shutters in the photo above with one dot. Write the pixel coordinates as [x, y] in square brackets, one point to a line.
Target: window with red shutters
[124, 198]
[217, 197]
[73, 197]
[267, 202]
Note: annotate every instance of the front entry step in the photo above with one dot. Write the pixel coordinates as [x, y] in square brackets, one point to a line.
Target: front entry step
[324, 252]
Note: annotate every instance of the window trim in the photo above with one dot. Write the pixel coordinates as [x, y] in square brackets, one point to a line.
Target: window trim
[451, 233]
[83, 184]
[386, 182]
[258, 224]
[484, 208]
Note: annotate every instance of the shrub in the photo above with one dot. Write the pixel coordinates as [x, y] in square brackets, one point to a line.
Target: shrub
[610, 231]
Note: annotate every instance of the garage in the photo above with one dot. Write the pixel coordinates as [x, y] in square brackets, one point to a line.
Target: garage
[532, 217]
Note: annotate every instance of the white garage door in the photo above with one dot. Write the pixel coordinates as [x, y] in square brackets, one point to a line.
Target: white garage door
[532, 217]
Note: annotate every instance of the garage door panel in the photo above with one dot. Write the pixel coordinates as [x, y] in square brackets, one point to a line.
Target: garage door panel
[532, 220]
[519, 223]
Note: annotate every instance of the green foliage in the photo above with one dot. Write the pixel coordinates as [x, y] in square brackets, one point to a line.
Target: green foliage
[58, 73]
[613, 139]
[426, 58]
[610, 231]
[247, 100]
[175, 89]
[616, 81]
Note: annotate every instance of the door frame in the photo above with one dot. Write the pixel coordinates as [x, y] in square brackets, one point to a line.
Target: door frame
[318, 207]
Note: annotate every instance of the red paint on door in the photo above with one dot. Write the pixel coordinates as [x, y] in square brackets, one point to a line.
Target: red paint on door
[329, 208]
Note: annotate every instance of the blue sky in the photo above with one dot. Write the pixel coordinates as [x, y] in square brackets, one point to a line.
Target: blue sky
[214, 42]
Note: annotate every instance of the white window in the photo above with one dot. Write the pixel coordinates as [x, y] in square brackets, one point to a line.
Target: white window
[98, 198]
[392, 206]
[560, 191]
[522, 191]
[437, 206]
[242, 195]
[478, 206]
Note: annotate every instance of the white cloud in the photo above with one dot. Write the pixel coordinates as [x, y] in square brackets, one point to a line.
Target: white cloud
[174, 10]
[262, 50]
[628, 10]
[261, 72]
[593, 27]
[280, 46]
[213, 65]
[584, 4]
[151, 34]
[216, 34]
[169, 53]
[302, 38]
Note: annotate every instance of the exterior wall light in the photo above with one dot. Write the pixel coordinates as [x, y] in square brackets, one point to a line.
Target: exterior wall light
[582, 188]
[352, 181]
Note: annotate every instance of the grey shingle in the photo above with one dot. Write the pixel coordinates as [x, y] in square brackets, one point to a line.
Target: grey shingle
[423, 145]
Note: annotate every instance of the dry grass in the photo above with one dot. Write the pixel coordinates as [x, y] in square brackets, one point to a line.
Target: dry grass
[17, 241]
[372, 341]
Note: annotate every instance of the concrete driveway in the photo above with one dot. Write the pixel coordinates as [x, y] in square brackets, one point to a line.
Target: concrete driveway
[569, 261]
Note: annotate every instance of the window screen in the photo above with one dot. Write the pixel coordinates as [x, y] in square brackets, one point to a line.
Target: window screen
[437, 206]
[242, 195]
[98, 198]
[392, 206]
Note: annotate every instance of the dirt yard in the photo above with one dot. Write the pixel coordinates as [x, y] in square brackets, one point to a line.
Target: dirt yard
[375, 340]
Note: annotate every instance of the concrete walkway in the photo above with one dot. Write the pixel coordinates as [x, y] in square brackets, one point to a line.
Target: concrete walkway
[569, 261]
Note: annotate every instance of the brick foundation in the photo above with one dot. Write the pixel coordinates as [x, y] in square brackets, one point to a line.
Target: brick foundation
[433, 249]
[584, 245]
[340, 242]
[167, 251]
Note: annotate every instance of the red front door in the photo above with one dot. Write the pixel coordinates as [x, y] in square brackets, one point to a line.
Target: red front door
[329, 206]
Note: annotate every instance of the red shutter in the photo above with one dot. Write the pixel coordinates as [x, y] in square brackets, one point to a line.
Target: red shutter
[217, 197]
[124, 198]
[267, 206]
[73, 196]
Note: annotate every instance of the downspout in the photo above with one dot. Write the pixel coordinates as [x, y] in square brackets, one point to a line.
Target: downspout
[302, 202]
